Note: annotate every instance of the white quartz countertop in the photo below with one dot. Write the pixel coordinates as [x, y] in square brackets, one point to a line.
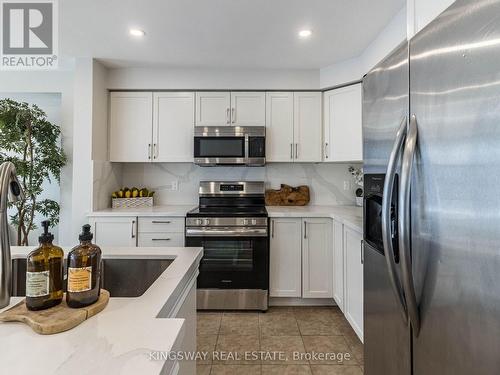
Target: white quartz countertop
[350, 216]
[118, 340]
[168, 210]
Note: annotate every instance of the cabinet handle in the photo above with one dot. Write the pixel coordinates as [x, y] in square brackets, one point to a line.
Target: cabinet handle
[326, 150]
[160, 222]
[296, 150]
[362, 253]
[132, 229]
[272, 228]
[227, 115]
[305, 229]
[155, 151]
[149, 151]
[291, 151]
[160, 239]
[233, 115]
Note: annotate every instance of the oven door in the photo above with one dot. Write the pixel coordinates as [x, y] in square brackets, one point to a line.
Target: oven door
[233, 262]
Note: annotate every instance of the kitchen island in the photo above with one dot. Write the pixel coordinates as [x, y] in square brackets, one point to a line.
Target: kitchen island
[131, 335]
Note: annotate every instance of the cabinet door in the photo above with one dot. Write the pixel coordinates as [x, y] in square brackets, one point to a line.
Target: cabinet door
[285, 258]
[307, 131]
[213, 108]
[248, 108]
[317, 278]
[173, 128]
[115, 231]
[342, 124]
[279, 126]
[353, 272]
[130, 126]
[338, 264]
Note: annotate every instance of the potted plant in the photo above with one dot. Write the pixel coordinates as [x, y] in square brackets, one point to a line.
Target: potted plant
[357, 175]
[32, 143]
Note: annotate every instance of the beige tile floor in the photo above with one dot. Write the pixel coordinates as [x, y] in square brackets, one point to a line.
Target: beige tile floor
[285, 330]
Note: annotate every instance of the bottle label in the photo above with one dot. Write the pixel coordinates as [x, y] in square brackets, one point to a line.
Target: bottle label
[79, 279]
[37, 284]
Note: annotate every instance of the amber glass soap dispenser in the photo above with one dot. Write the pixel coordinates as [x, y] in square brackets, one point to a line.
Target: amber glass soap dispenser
[84, 269]
[44, 273]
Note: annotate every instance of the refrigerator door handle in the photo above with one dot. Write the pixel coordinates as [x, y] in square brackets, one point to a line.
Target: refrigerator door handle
[404, 224]
[386, 217]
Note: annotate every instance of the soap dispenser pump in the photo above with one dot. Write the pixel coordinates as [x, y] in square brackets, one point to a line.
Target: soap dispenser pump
[84, 269]
[44, 273]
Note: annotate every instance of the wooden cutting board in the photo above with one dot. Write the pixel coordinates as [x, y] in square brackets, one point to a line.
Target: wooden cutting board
[57, 319]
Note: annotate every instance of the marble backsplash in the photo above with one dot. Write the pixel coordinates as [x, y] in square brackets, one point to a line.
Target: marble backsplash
[326, 181]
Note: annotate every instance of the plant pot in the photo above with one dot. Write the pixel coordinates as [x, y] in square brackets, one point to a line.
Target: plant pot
[359, 201]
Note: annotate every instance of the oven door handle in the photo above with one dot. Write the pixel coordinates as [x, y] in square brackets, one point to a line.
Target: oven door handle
[226, 232]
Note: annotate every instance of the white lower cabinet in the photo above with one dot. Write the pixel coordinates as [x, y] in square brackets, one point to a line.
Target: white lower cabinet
[115, 231]
[317, 258]
[338, 263]
[353, 279]
[138, 231]
[300, 258]
[285, 258]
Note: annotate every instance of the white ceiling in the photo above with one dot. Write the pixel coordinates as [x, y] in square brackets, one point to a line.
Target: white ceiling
[222, 33]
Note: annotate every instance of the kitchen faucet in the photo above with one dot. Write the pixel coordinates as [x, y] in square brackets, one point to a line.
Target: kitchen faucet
[10, 190]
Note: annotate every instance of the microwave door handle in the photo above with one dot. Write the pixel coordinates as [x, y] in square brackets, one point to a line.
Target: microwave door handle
[404, 224]
[246, 149]
[386, 218]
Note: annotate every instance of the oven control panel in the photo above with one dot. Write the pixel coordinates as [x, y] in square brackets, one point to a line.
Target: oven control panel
[231, 187]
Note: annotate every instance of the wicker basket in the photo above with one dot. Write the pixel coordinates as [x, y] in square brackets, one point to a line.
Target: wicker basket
[132, 202]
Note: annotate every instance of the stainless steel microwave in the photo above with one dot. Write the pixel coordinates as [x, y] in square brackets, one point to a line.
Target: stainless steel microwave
[230, 145]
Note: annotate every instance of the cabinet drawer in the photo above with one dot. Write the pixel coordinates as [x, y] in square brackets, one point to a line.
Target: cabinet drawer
[161, 224]
[161, 239]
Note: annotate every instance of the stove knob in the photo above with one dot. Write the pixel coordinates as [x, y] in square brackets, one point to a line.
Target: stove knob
[206, 222]
[245, 221]
[198, 222]
[254, 221]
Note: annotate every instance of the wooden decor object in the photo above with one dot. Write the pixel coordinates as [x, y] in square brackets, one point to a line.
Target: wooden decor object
[288, 196]
[56, 319]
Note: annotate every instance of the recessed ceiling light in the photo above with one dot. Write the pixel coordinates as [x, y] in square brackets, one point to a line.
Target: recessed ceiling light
[305, 33]
[136, 32]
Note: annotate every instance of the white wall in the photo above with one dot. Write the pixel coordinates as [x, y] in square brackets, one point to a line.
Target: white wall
[354, 69]
[421, 12]
[60, 81]
[190, 79]
[325, 180]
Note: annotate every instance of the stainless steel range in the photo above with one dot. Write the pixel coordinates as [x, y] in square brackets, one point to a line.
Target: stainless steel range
[231, 225]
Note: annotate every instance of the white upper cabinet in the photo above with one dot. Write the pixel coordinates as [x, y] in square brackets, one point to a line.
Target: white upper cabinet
[279, 126]
[173, 126]
[285, 275]
[248, 108]
[307, 127]
[213, 108]
[317, 258]
[342, 124]
[130, 128]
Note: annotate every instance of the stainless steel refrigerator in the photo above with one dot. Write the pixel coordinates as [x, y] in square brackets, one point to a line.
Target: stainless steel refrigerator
[431, 129]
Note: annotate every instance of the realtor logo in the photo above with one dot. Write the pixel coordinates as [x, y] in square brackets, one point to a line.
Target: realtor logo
[29, 34]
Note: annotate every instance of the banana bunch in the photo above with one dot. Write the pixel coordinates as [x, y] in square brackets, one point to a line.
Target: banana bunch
[132, 193]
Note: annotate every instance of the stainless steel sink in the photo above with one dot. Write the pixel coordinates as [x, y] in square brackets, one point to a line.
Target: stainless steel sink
[121, 277]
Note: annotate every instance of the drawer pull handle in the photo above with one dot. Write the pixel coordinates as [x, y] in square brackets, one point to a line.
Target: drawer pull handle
[160, 222]
[160, 239]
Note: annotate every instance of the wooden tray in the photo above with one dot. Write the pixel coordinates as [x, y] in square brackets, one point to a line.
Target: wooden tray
[288, 196]
[57, 319]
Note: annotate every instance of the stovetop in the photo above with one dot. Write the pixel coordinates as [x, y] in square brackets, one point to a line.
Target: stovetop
[257, 211]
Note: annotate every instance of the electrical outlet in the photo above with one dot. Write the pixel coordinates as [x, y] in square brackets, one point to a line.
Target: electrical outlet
[347, 185]
[175, 185]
